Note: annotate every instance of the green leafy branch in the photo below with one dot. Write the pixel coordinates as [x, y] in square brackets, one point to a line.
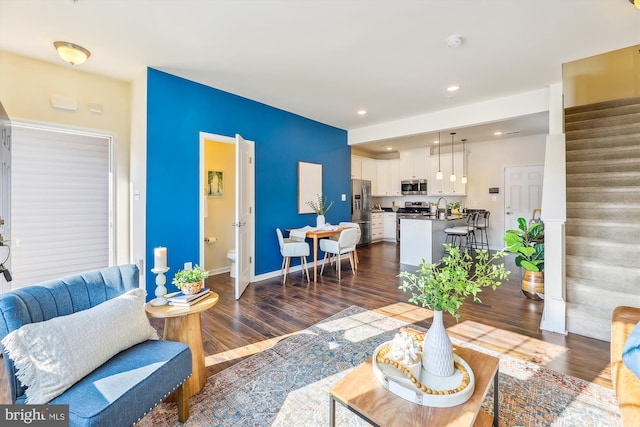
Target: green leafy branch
[445, 286]
[320, 207]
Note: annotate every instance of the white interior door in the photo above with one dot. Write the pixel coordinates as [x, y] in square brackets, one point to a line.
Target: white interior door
[523, 193]
[244, 217]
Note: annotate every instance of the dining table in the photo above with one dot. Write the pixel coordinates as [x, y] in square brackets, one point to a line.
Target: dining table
[315, 234]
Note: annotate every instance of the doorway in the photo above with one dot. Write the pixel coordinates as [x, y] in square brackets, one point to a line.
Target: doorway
[219, 205]
[523, 193]
[227, 184]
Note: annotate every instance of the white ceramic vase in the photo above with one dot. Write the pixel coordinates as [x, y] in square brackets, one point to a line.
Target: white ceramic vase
[320, 223]
[437, 350]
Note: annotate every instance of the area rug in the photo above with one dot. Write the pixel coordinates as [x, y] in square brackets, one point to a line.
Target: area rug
[288, 384]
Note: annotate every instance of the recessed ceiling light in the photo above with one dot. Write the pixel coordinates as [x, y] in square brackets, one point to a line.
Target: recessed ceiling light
[453, 88]
[437, 141]
[497, 133]
[362, 112]
[454, 41]
[389, 148]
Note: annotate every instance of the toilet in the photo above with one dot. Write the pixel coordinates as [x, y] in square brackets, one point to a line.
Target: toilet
[231, 255]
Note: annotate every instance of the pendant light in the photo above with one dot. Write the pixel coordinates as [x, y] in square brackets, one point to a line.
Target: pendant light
[464, 163]
[452, 177]
[439, 173]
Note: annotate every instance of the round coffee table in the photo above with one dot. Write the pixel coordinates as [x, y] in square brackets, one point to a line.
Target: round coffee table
[183, 324]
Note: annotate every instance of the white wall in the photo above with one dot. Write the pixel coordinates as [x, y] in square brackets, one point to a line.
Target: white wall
[138, 173]
[494, 110]
[26, 88]
[486, 165]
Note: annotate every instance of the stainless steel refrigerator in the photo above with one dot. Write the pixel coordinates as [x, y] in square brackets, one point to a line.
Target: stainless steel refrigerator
[361, 208]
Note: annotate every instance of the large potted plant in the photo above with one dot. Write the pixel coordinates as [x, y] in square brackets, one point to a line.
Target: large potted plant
[444, 287]
[189, 281]
[527, 242]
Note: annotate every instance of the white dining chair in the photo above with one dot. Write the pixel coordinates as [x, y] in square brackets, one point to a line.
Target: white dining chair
[345, 244]
[292, 248]
[357, 226]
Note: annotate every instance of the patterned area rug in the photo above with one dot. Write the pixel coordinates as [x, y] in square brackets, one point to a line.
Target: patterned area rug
[288, 385]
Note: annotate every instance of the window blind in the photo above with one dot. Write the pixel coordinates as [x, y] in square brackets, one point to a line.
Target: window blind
[60, 204]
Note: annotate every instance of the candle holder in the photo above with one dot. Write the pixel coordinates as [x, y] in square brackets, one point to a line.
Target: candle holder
[161, 289]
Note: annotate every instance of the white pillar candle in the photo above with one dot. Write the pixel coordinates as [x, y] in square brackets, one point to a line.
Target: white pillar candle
[159, 258]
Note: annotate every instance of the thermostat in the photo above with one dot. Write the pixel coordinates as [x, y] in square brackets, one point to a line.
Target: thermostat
[494, 190]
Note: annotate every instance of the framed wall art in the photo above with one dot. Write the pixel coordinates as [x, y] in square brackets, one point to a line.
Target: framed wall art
[215, 184]
[309, 185]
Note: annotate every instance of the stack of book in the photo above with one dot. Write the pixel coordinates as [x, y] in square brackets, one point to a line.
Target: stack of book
[183, 300]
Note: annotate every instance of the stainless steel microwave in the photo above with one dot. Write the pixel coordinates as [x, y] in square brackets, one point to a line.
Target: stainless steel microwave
[413, 186]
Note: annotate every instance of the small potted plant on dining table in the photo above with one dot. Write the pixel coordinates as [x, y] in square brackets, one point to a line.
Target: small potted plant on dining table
[445, 287]
[189, 281]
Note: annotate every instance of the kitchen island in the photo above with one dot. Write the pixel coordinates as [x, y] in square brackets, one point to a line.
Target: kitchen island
[422, 237]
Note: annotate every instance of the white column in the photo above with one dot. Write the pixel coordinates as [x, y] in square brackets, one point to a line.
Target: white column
[554, 216]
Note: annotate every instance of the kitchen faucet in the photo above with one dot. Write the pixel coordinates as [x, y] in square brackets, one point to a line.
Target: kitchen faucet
[445, 203]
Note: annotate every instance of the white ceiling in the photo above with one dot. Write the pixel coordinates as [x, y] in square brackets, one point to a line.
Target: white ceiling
[326, 59]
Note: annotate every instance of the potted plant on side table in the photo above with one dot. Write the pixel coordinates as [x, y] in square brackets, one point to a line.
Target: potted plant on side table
[189, 281]
[528, 243]
[444, 287]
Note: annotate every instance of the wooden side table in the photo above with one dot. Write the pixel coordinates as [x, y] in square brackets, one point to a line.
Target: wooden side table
[365, 396]
[183, 324]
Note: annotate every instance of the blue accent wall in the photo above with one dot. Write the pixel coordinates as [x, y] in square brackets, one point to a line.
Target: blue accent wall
[177, 111]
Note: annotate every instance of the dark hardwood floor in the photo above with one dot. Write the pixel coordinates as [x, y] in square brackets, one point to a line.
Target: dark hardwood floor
[505, 321]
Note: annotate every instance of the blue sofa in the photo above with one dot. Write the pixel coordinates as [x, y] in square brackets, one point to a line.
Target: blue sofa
[165, 364]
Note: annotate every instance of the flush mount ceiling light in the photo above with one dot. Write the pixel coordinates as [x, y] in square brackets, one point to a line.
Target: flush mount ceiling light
[636, 3]
[439, 173]
[453, 88]
[362, 112]
[452, 177]
[72, 53]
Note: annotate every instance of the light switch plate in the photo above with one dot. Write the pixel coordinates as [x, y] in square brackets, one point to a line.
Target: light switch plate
[344, 197]
[188, 265]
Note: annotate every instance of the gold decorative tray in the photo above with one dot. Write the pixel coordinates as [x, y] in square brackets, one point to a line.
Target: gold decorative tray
[425, 389]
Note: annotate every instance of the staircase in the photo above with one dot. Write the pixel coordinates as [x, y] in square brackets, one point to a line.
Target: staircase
[603, 213]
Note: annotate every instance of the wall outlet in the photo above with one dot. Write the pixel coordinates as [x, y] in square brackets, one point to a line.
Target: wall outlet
[188, 265]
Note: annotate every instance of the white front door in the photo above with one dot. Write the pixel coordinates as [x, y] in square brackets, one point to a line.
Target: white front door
[523, 193]
[244, 214]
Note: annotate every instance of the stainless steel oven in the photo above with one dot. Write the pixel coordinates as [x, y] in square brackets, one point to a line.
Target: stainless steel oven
[413, 186]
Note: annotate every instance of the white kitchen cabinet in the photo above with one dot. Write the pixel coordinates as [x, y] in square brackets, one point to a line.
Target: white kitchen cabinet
[377, 226]
[414, 164]
[445, 187]
[389, 220]
[356, 167]
[364, 168]
[388, 178]
[369, 172]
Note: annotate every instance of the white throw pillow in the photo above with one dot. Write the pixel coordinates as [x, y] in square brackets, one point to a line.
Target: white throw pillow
[53, 355]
